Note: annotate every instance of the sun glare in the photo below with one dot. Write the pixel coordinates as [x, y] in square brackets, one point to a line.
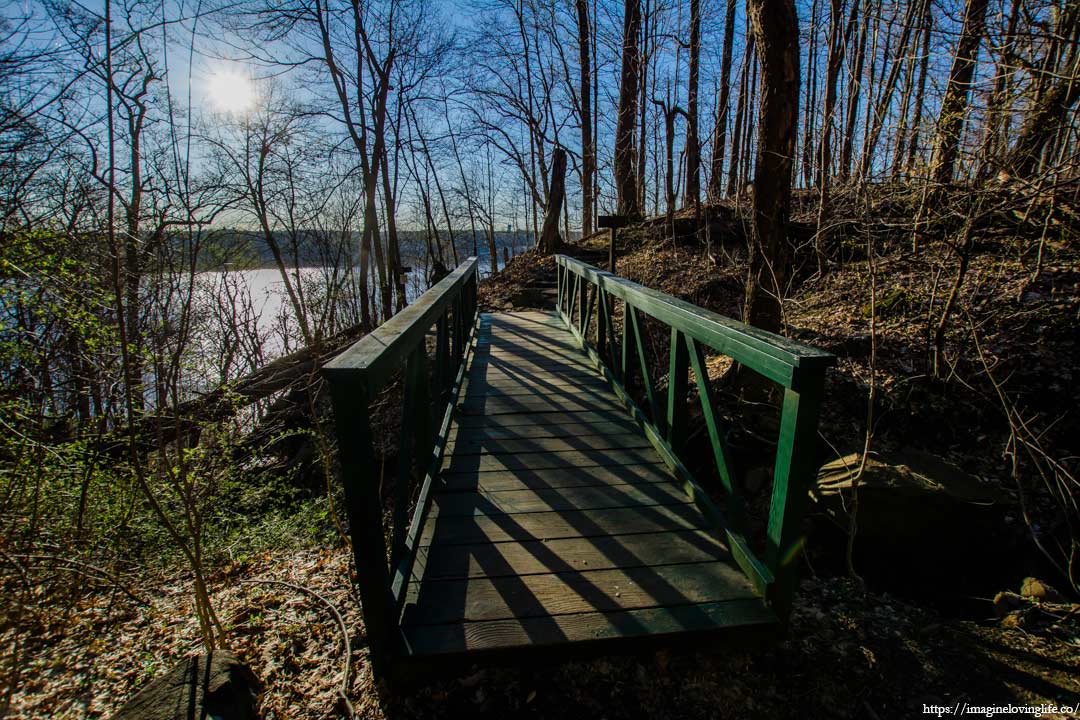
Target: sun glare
[231, 92]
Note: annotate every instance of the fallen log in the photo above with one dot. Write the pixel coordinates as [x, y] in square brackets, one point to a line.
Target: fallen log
[284, 373]
[217, 685]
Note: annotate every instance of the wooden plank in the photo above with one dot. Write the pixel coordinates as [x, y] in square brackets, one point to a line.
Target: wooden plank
[553, 525]
[514, 329]
[522, 336]
[702, 619]
[477, 391]
[539, 500]
[525, 355]
[507, 361]
[480, 371]
[496, 380]
[528, 366]
[538, 317]
[581, 377]
[568, 554]
[527, 461]
[512, 341]
[557, 477]
[466, 445]
[528, 345]
[577, 591]
[542, 430]
[545, 418]
[536, 404]
[523, 319]
[538, 386]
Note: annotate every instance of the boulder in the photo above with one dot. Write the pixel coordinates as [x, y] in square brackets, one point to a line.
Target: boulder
[908, 497]
[1038, 590]
[215, 685]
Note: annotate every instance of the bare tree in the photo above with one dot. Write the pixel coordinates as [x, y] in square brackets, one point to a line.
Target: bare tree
[692, 193]
[954, 104]
[775, 27]
[549, 237]
[723, 107]
[626, 180]
[588, 146]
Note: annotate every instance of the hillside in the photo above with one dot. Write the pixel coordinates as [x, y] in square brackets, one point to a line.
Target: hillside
[939, 611]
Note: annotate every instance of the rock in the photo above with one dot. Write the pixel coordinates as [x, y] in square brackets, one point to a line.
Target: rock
[891, 302]
[924, 525]
[1038, 590]
[217, 685]
[906, 495]
[1006, 603]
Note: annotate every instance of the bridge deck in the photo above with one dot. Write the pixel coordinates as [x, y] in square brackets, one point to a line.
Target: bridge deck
[555, 521]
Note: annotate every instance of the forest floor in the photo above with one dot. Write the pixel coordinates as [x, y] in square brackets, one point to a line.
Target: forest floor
[850, 653]
[853, 650]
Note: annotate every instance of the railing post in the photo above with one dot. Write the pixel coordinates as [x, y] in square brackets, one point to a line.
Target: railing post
[676, 399]
[583, 291]
[414, 446]
[736, 510]
[349, 397]
[625, 365]
[473, 288]
[796, 463]
[646, 376]
[442, 358]
[601, 323]
[558, 286]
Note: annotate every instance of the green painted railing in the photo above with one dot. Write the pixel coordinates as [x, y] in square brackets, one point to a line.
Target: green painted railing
[355, 377]
[587, 295]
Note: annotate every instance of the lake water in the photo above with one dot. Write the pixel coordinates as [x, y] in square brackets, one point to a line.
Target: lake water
[246, 318]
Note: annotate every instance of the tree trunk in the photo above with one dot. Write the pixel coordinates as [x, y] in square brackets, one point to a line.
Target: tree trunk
[393, 247]
[669, 112]
[692, 193]
[837, 46]
[626, 185]
[920, 91]
[992, 139]
[776, 32]
[748, 128]
[740, 113]
[491, 216]
[954, 104]
[881, 107]
[854, 91]
[1057, 90]
[549, 237]
[716, 178]
[1042, 125]
[588, 150]
[811, 100]
[646, 56]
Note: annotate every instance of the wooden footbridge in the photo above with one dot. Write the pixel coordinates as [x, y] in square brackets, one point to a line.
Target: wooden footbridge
[550, 513]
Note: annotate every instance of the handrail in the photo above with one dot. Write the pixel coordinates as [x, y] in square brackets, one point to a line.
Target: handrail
[354, 378]
[772, 355]
[379, 353]
[799, 369]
